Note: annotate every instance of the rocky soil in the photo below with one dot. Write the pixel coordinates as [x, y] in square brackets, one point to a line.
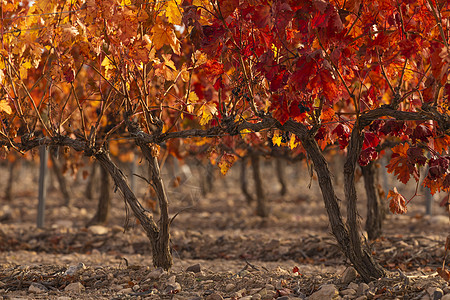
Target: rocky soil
[221, 249]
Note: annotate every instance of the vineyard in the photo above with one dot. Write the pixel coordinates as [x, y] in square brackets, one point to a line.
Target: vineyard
[235, 149]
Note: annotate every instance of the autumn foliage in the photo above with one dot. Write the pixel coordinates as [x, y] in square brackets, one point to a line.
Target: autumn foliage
[309, 74]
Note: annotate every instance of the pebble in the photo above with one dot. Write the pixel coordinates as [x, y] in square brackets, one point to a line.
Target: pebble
[353, 285]
[74, 287]
[229, 287]
[361, 298]
[257, 297]
[37, 288]
[125, 291]
[98, 229]
[349, 292]
[172, 288]
[446, 297]
[349, 275]
[63, 298]
[72, 270]
[194, 268]
[156, 274]
[362, 288]
[136, 287]
[214, 296]
[435, 293]
[326, 291]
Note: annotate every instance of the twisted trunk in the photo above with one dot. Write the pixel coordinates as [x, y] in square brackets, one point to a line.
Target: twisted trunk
[347, 235]
[261, 202]
[244, 181]
[375, 210]
[101, 216]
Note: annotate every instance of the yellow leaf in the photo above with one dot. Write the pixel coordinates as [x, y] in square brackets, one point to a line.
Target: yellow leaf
[225, 163]
[192, 99]
[184, 73]
[125, 2]
[276, 139]
[165, 36]
[27, 65]
[206, 112]
[4, 106]
[168, 62]
[292, 142]
[244, 132]
[107, 63]
[173, 12]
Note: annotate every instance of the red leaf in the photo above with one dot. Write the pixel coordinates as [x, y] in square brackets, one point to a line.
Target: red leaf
[370, 140]
[343, 132]
[213, 68]
[415, 156]
[295, 270]
[305, 68]
[422, 133]
[227, 7]
[367, 155]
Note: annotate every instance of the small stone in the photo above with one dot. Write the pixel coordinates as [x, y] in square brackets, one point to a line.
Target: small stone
[361, 298]
[353, 285]
[257, 297]
[74, 287]
[229, 287]
[98, 229]
[125, 291]
[72, 270]
[37, 288]
[362, 288]
[246, 298]
[435, 293]
[446, 297]
[269, 295]
[156, 274]
[349, 275]
[63, 298]
[173, 288]
[194, 268]
[214, 296]
[326, 291]
[349, 292]
[136, 287]
[283, 298]
[269, 287]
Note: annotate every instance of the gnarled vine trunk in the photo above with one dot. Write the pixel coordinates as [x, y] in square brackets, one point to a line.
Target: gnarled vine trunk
[158, 236]
[104, 199]
[261, 201]
[244, 180]
[347, 235]
[375, 211]
[57, 170]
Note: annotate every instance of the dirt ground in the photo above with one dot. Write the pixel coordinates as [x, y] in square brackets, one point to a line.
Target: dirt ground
[221, 249]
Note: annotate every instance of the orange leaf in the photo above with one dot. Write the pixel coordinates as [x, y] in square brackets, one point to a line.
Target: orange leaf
[163, 35]
[397, 204]
[399, 164]
[443, 273]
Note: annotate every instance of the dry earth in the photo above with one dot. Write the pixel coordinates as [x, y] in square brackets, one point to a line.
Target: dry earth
[221, 249]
